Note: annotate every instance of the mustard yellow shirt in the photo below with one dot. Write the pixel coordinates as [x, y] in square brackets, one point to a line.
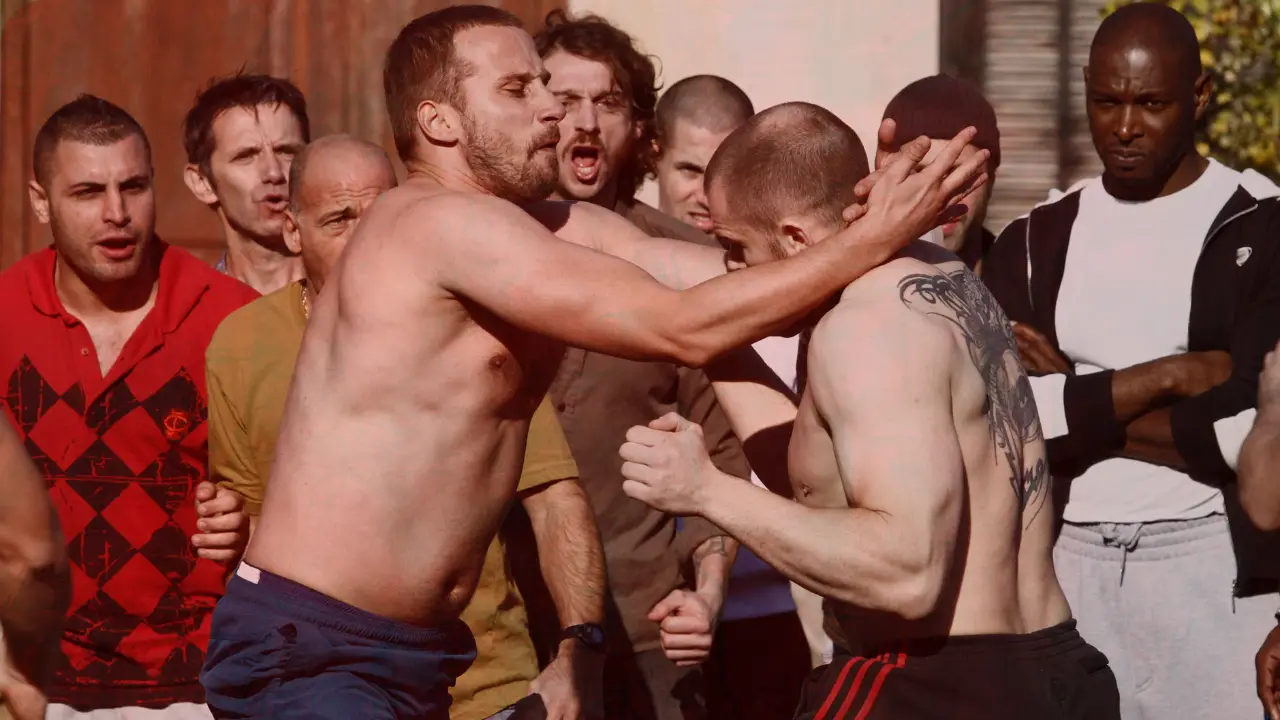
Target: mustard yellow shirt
[249, 365]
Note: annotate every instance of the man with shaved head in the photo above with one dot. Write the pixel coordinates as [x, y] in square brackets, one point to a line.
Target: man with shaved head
[693, 117]
[925, 515]
[1144, 302]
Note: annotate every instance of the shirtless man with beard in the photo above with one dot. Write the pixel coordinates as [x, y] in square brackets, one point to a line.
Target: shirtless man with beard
[924, 514]
[402, 437]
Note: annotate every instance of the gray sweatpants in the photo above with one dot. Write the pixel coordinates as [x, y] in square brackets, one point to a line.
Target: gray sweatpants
[1155, 598]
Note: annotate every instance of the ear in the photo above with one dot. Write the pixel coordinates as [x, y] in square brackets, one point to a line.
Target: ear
[39, 201]
[1204, 91]
[657, 148]
[292, 234]
[199, 185]
[439, 123]
[795, 235]
[637, 130]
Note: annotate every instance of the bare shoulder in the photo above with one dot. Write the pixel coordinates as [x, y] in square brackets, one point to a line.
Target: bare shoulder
[580, 223]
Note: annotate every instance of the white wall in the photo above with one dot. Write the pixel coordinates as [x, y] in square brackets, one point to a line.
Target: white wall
[849, 56]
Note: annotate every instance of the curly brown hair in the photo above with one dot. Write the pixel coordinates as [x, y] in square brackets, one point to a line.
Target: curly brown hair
[594, 38]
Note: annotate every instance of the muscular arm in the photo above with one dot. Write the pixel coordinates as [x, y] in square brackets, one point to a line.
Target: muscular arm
[34, 576]
[891, 552]
[591, 300]
[569, 552]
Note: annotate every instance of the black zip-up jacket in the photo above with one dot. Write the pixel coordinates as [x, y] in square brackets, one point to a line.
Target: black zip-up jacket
[1235, 307]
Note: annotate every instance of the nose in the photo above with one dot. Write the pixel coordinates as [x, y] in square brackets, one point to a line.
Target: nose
[275, 171]
[1130, 126]
[585, 119]
[114, 210]
[700, 196]
[552, 109]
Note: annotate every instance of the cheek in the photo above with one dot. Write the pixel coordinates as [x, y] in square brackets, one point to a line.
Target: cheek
[615, 132]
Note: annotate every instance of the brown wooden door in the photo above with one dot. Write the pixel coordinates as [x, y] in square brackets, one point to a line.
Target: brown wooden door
[152, 57]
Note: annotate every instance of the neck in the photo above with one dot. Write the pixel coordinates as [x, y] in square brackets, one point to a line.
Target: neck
[260, 267]
[1185, 172]
[443, 176]
[607, 198]
[84, 296]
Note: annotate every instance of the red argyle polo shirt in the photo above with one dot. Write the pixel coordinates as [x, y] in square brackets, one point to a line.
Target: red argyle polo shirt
[122, 456]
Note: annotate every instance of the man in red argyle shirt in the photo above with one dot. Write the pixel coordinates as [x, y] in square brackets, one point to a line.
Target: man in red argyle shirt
[102, 344]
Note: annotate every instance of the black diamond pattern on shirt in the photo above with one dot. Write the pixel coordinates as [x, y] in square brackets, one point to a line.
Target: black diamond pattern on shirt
[94, 632]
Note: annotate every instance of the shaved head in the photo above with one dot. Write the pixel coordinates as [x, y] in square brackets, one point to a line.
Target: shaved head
[1156, 28]
[1145, 92]
[706, 101]
[330, 153]
[332, 182]
[794, 159]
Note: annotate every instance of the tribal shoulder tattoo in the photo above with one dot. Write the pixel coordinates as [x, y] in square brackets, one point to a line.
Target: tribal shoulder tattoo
[960, 298]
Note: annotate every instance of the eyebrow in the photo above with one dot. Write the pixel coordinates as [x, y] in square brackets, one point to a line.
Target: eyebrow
[93, 185]
[688, 165]
[337, 213]
[523, 77]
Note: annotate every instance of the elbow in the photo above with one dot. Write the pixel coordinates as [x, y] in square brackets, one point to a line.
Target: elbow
[915, 596]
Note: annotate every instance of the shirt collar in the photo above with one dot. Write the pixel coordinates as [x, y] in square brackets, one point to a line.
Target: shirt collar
[181, 286]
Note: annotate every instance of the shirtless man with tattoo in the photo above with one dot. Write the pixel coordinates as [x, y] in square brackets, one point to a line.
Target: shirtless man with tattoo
[925, 515]
[402, 437]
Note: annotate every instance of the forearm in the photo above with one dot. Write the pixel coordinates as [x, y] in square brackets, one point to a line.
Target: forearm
[1259, 466]
[712, 562]
[569, 552]
[1150, 438]
[739, 308]
[1137, 390]
[852, 555]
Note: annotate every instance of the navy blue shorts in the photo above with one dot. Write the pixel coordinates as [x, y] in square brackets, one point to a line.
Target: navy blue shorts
[282, 650]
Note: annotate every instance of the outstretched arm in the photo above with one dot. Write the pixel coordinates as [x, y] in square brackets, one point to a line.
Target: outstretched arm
[34, 576]
[515, 268]
[891, 552]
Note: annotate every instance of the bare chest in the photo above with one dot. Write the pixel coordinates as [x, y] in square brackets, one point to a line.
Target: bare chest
[815, 476]
[109, 336]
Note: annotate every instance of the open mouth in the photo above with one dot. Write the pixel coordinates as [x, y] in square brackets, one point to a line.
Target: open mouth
[585, 160]
[118, 247]
[702, 221]
[276, 202]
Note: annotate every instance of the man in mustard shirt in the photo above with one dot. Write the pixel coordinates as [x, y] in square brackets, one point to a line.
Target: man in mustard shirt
[250, 363]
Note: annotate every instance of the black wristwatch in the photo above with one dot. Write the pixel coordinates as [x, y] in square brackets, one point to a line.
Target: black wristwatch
[590, 635]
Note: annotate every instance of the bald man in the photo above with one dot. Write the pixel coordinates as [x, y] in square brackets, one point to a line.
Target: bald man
[250, 364]
[693, 117]
[1144, 311]
[925, 515]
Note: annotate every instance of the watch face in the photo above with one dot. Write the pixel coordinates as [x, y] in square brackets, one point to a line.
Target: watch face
[592, 635]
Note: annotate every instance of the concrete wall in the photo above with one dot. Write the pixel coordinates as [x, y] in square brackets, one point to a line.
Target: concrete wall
[850, 56]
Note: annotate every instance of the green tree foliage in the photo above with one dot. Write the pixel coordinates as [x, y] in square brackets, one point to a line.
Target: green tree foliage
[1240, 46]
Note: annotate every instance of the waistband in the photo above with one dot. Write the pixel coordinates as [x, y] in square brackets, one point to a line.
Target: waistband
[300, 602]
[1048, 642]
[1153, 535]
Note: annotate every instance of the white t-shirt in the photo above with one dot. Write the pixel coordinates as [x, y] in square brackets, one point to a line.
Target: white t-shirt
[1125, 299]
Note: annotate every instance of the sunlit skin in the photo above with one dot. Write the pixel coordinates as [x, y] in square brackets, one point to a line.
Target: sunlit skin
[955, 233]
[681, 167]
[1142, 109]
[503, 140]
[339, 184]
[597, 133]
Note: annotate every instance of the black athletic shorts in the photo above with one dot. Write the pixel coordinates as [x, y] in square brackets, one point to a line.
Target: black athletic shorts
[1052, 674]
